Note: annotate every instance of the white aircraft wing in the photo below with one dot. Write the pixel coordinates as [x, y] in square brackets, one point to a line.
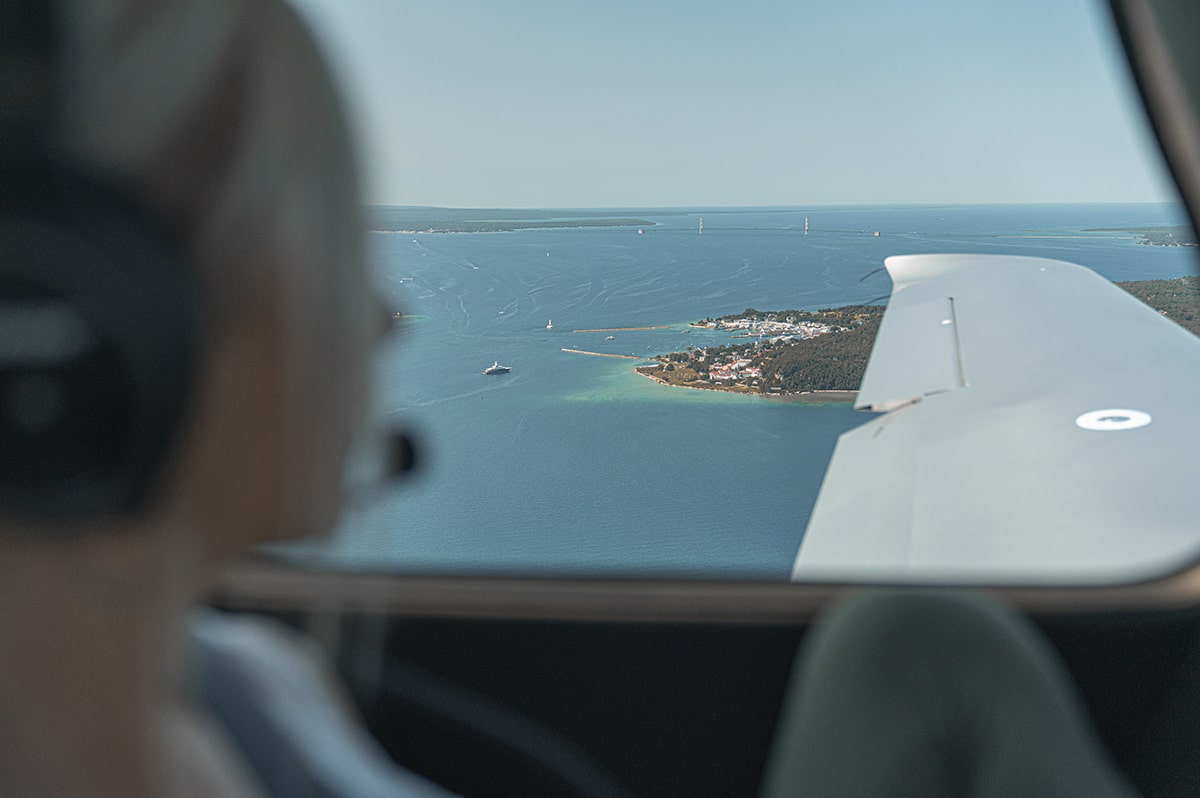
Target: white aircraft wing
[1036, 423]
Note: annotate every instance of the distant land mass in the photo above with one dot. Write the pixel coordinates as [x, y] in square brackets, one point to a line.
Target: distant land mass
[412, 219]
[1170, 236]
[811, 353]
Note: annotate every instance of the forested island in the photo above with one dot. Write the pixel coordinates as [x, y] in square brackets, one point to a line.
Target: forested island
[794, 352]
[1178, 299]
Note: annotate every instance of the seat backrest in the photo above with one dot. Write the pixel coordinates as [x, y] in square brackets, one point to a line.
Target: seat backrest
[271, 690]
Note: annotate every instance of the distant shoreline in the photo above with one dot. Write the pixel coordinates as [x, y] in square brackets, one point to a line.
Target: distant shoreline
[1157, 236]
[504, 226]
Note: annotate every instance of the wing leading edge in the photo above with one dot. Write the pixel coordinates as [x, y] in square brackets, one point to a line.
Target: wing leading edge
[1036, 423]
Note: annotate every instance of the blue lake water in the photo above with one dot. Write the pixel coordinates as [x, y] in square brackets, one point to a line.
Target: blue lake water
[575, 464]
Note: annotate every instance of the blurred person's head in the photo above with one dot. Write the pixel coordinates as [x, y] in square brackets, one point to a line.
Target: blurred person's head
[222, 118]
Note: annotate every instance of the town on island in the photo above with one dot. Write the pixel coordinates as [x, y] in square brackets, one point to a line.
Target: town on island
[820, 356]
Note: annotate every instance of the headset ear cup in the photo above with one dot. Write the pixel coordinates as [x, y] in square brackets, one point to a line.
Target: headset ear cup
[66, 413]
[97, 349]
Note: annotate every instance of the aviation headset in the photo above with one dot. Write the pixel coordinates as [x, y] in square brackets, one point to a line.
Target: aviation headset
[98, 314]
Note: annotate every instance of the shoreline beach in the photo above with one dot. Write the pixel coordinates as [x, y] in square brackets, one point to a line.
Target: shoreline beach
[804, 397]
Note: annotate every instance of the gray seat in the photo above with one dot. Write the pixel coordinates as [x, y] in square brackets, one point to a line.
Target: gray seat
[272, 692]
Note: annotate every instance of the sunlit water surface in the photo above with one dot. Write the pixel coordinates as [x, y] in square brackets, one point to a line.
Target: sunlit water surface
[576, 464]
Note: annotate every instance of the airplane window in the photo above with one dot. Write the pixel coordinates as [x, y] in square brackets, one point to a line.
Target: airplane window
[636, 257]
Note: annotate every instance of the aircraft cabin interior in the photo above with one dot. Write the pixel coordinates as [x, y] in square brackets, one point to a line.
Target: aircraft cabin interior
[635, 682]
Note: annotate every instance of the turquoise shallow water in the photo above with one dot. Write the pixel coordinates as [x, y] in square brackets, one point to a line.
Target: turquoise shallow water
[575, 464]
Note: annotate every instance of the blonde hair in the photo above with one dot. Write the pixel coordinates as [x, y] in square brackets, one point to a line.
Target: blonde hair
[222, 115]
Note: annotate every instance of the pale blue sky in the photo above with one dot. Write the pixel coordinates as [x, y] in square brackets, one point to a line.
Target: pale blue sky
[559, 103]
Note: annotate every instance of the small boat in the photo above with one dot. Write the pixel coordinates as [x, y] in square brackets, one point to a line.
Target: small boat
[496, 368]
[609, 337]
[549, 324]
